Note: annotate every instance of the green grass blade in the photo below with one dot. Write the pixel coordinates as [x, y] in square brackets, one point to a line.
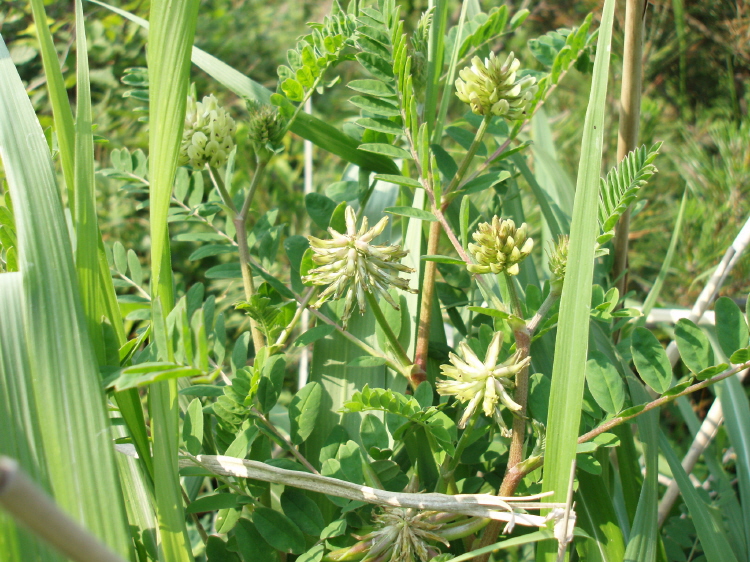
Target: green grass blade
[712, 536]
[20, 438]
[170, 40]
[71, 414]
[597, 517]
[129, 402]
[58, 95]
[566, 394]
[555, 219]
[653, 294]
[84, 215]
[308, 127]
[734, 402]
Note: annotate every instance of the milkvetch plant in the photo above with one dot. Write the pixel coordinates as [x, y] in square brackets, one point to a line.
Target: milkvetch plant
[448, 410]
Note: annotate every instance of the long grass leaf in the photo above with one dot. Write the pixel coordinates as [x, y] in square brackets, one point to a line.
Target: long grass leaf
[712, 536]
[58, 95]
[71, 414]
[597, 517]
[305, 125]
[20, 438]
[84, 215]
[734, 402]
[435, 60]
[566, 393]
[653, 294]
[170, 40]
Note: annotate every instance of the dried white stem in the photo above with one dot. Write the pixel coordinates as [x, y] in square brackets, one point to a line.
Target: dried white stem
[477, 505]
[29, 505]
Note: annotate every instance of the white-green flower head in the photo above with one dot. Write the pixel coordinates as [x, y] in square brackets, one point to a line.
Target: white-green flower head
[351, 266]
[500, 246]
[208, 137]
[265, 128]
[484, 383]
[402, 536]
[491, 88]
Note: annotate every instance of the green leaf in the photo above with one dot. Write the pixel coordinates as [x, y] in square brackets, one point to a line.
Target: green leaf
[121, 258]
[278, 530]
[251, 545]
[568, 374]
[373, 433]
[694, 346]
[338, 218]
[444, 259]
[211, 250]
[302, 511]
[213, 502]
[312, 335]
[376, 66]
[731, 328]
[485, 181]
[342, 191]
[372, 88]
[147, 373]
[320, 208]
[376, 106]
[740, 356]
[399, 180]
[605, 383]
[651, 360]
[271, 382]
[367, 361]
[412, 213]
[134, 266]
[293, 89]
[385, 150]
[303, 411]
[381, 125]
[192, 428]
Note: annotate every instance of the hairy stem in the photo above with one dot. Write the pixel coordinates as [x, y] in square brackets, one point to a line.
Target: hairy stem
[451, 463]
[287, 442]
[469, 156]
[428, 293]
[515, 454]
[406, 364]
[240, 225]
[285, 333]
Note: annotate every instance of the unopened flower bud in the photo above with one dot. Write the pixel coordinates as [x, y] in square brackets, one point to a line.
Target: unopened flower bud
[208, 137]
[491, 88]
[266, 128]
[500, 246]
[402, 536]
[558, 261]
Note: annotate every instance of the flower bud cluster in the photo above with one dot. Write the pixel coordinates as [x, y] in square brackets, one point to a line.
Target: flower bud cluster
[499, 247]
[558, 262]
[491, 88]
[351, 266]
[482, 382]
[266, 128]
[208, 137]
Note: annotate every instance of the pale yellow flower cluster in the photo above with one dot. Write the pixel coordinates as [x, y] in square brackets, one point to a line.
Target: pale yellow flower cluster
[351, 266]
[499, 247]
[484, 383]
[491, 88]
[208, 136]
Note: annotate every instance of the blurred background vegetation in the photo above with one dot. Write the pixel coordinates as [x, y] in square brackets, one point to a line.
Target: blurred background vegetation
[697, 68]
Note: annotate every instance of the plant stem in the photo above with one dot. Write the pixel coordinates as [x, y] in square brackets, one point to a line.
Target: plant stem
[425, 307]
[240, 225]
[220, 186]
[469, 156]
[406, 364]
[533, 324]
[287, 442]
[630, 112]
[306, 298]
[515, 454]
[451, 463]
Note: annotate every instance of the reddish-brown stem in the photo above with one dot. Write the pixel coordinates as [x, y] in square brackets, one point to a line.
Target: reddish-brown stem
[428, 292]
